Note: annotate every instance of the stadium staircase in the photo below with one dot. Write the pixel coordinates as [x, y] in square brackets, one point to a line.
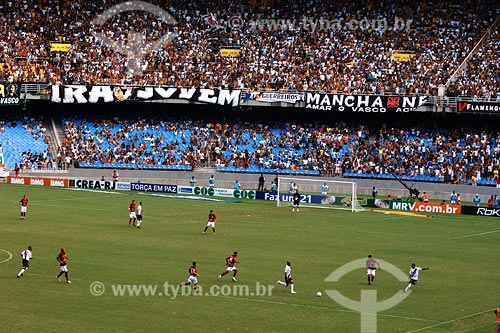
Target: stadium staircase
[51, 134]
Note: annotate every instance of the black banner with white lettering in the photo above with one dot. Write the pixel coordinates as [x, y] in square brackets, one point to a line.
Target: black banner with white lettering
[10, 93]
[363, 103]
[478, 107]
[109, 94]
[481, 211]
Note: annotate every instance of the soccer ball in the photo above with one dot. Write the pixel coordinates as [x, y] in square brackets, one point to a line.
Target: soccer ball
[318, 294]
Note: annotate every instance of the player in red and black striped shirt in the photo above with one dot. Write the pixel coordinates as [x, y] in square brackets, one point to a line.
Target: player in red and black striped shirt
[131, 213]
[193, 276]
[211, 222]
[24, 206]
[230, 262]
[62, 258]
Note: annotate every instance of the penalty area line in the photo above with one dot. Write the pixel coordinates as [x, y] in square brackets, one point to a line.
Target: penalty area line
[475, 235]
[324, 308]
[451, 321]
[9, 254]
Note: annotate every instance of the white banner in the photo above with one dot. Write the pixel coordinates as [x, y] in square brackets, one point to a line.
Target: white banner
[271, 97]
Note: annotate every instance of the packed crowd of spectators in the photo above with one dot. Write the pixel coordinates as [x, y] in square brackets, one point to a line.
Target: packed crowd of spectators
[303, 53]
[450, 155]
[482, 74]
[457, 155]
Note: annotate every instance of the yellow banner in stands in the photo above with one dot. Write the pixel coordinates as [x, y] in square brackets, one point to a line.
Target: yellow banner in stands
[60, 47]
[402, 57]
[230, 52]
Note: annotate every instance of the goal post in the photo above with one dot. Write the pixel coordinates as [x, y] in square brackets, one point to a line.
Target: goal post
[318, 193]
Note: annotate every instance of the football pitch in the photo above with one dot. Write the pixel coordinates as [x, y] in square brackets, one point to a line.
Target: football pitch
[126, 279]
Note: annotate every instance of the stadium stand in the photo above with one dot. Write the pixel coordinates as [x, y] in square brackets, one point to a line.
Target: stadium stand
[288, 56]
[23, 142]
[349, 150]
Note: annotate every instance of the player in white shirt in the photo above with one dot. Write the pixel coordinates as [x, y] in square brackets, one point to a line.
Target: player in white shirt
[139, 215]
[324, 189]
[288, 278]
[27, 255]
[413, 275]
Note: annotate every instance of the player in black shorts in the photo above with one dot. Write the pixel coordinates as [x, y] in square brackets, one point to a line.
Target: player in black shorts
[296, 200]
[288, 278]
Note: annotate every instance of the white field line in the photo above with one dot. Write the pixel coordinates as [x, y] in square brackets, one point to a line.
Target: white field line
[279, 303]
[451, 321]
[323, 308]
[8, 253]
[475, 235]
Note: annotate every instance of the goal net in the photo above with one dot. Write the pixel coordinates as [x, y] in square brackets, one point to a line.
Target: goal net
[319, 193]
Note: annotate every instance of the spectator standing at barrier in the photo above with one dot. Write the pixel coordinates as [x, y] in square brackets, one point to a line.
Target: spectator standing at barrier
[324, 189]
[476, 200]
[262, 181]
[211, 181]
[453, 198]
[192, 182]
[115, 176]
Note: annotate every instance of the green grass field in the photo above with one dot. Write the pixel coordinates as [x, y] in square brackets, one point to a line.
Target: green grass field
[457, 294]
